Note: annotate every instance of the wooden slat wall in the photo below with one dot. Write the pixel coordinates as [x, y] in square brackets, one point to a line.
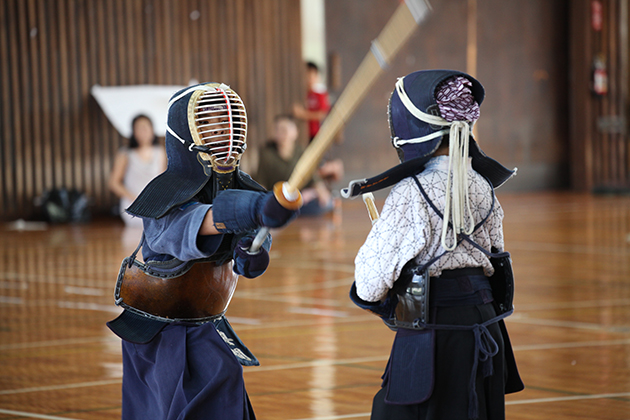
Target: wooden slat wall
[600, 158]
[53, 133]
[521, 59]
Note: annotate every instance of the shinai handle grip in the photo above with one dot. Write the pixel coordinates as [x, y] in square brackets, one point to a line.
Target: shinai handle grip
[368, 199]
[289, 199]
[258, 240]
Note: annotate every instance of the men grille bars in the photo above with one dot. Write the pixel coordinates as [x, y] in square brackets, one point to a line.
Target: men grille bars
[221, 122]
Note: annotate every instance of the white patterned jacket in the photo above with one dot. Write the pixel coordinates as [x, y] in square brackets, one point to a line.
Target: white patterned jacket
[409, 228]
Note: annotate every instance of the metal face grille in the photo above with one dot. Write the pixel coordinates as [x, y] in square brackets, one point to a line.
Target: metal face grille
[221, 122]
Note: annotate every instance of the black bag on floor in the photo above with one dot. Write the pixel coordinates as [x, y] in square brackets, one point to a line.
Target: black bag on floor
[61, 205]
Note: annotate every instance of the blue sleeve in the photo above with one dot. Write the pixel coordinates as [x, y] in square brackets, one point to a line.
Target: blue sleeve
[177, 233]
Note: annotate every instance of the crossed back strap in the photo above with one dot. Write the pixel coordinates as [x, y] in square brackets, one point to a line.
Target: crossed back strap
[461, 236]
[502, 281]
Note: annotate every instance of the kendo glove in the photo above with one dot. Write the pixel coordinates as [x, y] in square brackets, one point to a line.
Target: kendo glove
[251, 265]
[236, 211]
[383, 309]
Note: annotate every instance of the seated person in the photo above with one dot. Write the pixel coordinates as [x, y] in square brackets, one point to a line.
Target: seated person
[136, 165]
[277, 160]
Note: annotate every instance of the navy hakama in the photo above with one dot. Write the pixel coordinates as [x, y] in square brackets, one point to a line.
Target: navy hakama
[186, 372]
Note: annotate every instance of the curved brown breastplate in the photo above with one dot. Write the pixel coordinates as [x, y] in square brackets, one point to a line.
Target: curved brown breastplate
[200, 293]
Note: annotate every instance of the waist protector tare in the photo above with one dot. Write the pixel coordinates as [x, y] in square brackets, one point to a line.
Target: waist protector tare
[502, 281]
[195, 292]
[412, 310]
[412, 300]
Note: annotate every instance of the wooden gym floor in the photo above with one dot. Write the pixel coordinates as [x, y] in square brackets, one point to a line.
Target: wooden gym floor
[321, 357]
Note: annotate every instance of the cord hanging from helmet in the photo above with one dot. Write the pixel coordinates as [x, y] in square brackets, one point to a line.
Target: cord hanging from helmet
[457, 200]
[457, 175]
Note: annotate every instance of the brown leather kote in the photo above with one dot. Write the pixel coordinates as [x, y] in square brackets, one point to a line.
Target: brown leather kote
[202, 292]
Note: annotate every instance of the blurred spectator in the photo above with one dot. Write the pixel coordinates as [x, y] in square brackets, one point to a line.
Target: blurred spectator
[317, 102]
[135, 165]
[317, 107]
[277, 160]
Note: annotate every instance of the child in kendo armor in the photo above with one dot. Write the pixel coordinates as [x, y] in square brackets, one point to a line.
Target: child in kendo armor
[433, 267]
[181, 357]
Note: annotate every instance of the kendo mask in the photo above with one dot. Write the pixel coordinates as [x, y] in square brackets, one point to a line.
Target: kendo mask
[425, 107]
[205, 139]
[216, 123]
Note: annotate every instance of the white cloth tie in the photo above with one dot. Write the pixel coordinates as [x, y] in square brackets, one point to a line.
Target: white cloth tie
[457, 199]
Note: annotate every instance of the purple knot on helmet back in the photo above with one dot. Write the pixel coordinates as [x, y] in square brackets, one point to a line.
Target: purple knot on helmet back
[456, 101]
[460, 102]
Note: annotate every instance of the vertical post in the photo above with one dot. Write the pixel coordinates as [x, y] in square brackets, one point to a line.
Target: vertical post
[580, 100]
[624, 83]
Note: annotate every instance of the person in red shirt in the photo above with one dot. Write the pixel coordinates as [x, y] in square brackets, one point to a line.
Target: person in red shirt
[317, 102]
[317, 107]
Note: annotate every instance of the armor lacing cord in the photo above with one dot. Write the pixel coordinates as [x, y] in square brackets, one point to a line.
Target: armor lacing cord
[459, 135]
[132, 257]
[486, 348]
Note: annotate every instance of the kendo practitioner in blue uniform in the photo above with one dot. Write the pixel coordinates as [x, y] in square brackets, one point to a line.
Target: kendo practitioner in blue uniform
[181, 358]
[433, 267]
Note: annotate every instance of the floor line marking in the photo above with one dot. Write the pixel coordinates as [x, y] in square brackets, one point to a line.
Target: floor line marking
[320, 362]
[306, 323]
[573, 305]
[569, 324]
[85, 291]
[569, 345]
[317, 265]
[568, 398]
[11, 300]
[343, 416]
[567, 248]
[317, 311]
[243, 320]
[58, 387]
[245, 324]
[253, 322]
[330, 284]
[519, 402]
[88, 306]
[316, 363]
[66, 342]
[33, 415]
[13, 285]
[59, 280]
[300, 299]
[330, 362]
